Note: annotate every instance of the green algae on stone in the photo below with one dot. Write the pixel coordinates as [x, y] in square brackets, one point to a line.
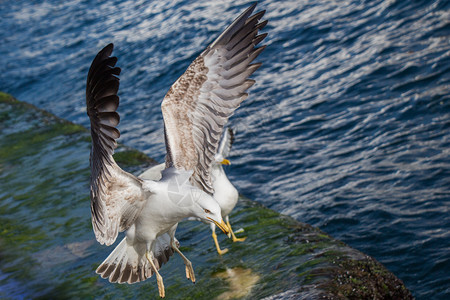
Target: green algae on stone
[4, 97]
[366, 279]
[16, 145]
[130, 157]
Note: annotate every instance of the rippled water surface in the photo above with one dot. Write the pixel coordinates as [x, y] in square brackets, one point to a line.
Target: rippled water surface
[347, 128]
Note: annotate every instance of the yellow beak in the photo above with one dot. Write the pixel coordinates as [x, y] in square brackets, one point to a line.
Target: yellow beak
[223, 226]
[225, 162]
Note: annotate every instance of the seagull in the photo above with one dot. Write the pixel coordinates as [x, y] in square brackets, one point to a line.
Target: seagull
[224, 191]
[195, 111]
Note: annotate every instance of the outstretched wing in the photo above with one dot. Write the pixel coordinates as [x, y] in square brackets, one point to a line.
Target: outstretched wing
[199, 103]
[116, 196]
[226, 142]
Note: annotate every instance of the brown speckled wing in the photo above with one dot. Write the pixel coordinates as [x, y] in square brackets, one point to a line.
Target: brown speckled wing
[116, 196]
[199, 103]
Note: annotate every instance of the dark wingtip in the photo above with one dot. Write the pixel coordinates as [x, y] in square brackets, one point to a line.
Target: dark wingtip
[107, 50]
[101, 56]
[235, 26]
[109, 47]
[101, 104]
[252, 7]
[262, 24]
[231, 133]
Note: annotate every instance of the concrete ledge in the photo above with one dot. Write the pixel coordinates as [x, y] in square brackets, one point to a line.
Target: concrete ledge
[48, 250]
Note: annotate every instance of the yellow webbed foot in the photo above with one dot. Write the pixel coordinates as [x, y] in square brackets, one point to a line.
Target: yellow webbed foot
[220, 251]
[189, 269]
[159, 279]
[234, 238]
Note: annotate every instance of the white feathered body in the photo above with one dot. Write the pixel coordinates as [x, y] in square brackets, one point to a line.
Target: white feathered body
[224, 191]
[170, 200]
[161, 211]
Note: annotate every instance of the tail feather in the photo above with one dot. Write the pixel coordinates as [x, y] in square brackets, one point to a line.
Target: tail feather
[126, 264]
[162, 251]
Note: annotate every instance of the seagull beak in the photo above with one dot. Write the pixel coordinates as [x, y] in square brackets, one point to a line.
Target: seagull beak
[224, 227]
[225, 162]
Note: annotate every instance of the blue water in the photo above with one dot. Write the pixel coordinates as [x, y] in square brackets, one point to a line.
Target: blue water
[347, 128]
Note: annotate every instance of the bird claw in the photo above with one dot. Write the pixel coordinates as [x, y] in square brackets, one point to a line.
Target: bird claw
[222, 251]
[190, 272]
[235, 239]
[159, 280]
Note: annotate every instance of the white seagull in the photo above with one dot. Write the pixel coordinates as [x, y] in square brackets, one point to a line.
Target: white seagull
[224, 191]
[195, 110]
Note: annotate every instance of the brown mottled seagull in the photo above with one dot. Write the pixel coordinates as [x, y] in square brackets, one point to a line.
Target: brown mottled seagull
[195, 111]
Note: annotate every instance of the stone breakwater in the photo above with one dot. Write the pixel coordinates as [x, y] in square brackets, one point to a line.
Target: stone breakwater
[48, 250]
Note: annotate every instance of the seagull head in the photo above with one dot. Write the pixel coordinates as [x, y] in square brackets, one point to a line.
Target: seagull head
[208, 210]
[220, 160]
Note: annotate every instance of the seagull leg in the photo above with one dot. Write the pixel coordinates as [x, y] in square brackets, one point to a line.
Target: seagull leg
[235, 239]
[159, 278]
[189, 269]
[216, 242]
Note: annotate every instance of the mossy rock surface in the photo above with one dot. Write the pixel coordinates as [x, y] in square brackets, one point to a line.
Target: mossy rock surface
[48, 249]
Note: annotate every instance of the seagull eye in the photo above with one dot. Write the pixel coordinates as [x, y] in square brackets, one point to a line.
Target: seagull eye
[207, 211]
